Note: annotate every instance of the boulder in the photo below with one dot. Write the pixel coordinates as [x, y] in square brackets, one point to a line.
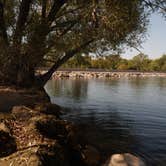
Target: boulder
[51, 127]
[49, 109]
[7, 142]
[91, 156]
[73, 137]
[125, 159]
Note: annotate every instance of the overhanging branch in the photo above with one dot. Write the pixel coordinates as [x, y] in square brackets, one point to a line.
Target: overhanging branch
[45, 77]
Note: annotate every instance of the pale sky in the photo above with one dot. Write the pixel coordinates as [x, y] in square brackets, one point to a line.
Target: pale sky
[155, 45]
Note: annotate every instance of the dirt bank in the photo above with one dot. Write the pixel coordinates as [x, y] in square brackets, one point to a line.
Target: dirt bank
[11, 96]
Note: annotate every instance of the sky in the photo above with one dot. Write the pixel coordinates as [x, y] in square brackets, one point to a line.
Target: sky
[155, 44]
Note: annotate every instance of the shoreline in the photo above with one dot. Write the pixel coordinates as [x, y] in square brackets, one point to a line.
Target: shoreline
[34, 134]
[102, 74]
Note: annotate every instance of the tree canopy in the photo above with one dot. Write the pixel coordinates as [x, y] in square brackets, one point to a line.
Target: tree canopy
[34, 31]
[115, 62]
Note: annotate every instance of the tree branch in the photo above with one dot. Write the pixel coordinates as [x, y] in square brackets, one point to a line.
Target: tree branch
[69, 11]
[44, 6]
[153, 5]
[54, 10]
[63, 24]
[3, 31]
[44, 28]
[22, 19]
[45, 77]
[48, 60]
[61, 34]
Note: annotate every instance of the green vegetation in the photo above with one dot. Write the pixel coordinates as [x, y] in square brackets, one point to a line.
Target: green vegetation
[140, 62]
[35, 31]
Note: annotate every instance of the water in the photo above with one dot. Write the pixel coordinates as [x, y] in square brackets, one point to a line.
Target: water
[117, 115]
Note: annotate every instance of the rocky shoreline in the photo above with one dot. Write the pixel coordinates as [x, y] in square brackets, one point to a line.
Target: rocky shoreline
[103, 74]
[35, 135]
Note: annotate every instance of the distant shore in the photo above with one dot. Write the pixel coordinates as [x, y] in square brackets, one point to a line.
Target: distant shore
[93, 73]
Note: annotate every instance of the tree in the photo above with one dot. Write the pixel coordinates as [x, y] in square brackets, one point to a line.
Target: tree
[33, 31]
[159, 64]
[113, 61]
[140, 62]
[123, 64]
[78, 61]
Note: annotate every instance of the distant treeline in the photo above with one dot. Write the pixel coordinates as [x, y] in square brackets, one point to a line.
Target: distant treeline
[140, 62]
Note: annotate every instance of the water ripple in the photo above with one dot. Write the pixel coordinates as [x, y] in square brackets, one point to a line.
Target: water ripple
[122, 115]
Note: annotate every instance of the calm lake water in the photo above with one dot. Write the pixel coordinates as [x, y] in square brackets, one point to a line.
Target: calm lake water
[117, 115]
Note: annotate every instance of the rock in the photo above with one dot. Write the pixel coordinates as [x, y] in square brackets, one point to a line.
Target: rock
[117, 160]
[7, 142]
[23, 113]
[73, 138]
[36, 156]
[4, 128]
[91, 156]
[51, 127]
[125, 159]
[49, 109]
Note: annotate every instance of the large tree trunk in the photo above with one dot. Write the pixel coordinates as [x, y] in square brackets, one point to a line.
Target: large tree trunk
[23, 77]
[19, 71]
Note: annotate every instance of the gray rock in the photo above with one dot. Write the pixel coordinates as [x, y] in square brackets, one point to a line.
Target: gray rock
[125, 159]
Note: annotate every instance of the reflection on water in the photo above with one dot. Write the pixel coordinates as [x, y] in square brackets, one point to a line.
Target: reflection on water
[74, 88]
[117, 115]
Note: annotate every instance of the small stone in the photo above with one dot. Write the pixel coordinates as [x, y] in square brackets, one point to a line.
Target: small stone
[118, 160]
[4, 128]
[125, 159]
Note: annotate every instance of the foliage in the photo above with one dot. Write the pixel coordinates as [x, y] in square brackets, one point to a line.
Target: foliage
[78, 61]
[35, 31]
[139, 62]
